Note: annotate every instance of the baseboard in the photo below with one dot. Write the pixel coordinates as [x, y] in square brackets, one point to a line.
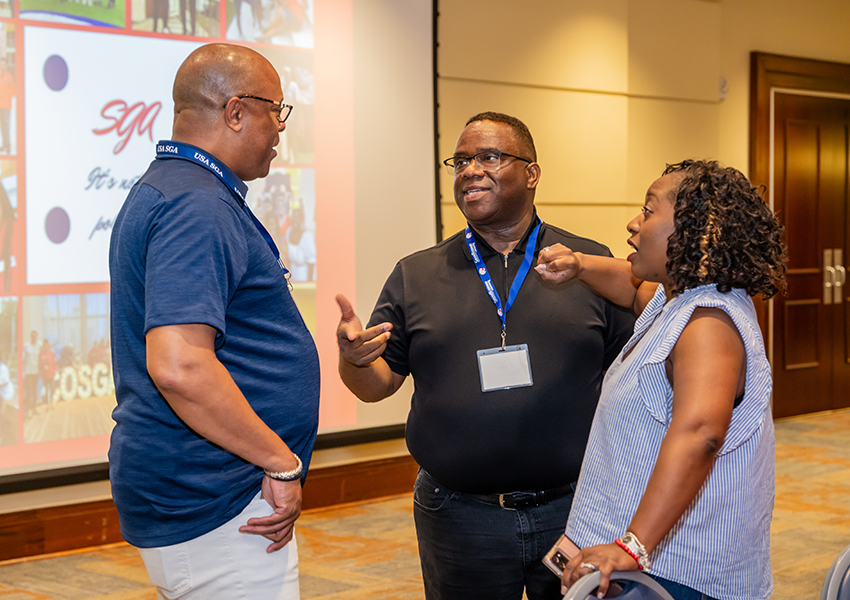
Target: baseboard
[82, 525]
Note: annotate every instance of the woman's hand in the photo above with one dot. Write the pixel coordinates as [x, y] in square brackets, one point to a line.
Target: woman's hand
[558, 264]
[606, 558]
[611, 277]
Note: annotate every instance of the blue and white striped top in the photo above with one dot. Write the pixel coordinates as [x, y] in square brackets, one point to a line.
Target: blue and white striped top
[721, 545]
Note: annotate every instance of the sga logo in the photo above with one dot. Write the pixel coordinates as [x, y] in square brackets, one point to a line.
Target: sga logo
[125, 120]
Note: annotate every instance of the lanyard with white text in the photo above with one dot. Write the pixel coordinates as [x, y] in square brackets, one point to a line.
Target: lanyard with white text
[519, 278]
[170, 149]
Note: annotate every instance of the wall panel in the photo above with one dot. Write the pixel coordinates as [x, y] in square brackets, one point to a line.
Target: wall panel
[665, 131]
[674, 49]
[575, 44]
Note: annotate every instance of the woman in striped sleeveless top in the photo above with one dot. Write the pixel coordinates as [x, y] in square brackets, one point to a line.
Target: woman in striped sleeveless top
[678, 475]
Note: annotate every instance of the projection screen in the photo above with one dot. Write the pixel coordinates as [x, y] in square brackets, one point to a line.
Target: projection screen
[85, 94]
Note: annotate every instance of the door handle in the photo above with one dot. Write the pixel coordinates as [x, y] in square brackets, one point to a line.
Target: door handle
[840, 276]
[828, 276]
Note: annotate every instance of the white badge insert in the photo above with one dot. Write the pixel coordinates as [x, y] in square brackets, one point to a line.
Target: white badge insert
[504, 368]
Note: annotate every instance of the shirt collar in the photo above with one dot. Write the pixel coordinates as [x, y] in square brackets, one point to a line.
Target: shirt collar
[487, 250]
[231, 176]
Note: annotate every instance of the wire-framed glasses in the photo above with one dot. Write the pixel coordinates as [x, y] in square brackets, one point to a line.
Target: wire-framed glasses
[488, 160]
[283, 110]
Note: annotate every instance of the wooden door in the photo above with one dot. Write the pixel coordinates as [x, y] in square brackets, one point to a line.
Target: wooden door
[811, 323]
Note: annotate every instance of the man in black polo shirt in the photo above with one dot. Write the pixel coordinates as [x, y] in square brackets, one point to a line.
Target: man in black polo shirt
[507, 371]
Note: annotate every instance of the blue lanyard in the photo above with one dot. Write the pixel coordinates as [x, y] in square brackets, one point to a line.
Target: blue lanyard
[519, 278]
[172, 149]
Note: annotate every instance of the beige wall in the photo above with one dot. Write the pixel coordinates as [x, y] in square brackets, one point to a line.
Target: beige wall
[614, 89]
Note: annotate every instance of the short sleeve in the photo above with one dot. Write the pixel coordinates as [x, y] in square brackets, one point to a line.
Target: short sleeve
[196, 255]
[390, 308]
[749, 415]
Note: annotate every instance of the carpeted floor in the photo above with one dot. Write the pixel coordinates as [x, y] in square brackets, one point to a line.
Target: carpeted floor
[811, 519]
[350, 552]
[368, 550]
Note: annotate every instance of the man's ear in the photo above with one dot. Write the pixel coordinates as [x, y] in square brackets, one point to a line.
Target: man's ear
[533, 171]
[233, 113]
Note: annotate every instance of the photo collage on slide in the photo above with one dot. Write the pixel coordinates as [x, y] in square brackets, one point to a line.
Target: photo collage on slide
[97, 78]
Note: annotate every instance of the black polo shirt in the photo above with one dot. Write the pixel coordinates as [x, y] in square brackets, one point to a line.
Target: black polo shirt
[526, 438]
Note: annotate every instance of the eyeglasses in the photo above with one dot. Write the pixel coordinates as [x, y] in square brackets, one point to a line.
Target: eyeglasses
[488, 160]
[283, 110]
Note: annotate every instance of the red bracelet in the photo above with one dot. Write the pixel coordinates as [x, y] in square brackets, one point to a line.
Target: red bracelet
[630, 553]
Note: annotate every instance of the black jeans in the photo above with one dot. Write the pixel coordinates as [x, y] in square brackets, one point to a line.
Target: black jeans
[472, 550]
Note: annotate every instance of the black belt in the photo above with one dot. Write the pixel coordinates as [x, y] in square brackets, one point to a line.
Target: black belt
[518, 500]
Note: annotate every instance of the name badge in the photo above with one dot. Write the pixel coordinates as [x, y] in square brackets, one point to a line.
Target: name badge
[504, 368]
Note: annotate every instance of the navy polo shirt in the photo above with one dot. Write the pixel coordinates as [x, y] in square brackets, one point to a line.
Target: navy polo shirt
[185, 250]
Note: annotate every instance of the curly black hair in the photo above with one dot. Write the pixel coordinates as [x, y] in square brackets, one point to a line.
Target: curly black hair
[725, 233]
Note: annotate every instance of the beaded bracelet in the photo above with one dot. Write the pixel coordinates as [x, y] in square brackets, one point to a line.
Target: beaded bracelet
[631, 544]
[630, 553]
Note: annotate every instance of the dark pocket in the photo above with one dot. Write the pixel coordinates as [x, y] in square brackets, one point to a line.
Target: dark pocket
[429, 494]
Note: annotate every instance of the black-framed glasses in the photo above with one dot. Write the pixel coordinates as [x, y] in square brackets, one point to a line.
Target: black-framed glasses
[284, 110]
[488, 160]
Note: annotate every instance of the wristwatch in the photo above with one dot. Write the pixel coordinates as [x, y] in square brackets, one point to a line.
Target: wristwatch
[286, 475]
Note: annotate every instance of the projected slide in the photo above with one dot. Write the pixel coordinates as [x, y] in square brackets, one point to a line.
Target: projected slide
[96, 77]
[107, 135]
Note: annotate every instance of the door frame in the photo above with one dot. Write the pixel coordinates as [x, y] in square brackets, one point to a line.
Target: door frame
[771, 73]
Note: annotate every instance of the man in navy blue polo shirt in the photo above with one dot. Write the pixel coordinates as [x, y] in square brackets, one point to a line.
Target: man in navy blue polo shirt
[216, 374]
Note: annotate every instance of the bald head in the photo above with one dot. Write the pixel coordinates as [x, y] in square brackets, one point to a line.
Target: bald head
[215, 72]
[215, 106]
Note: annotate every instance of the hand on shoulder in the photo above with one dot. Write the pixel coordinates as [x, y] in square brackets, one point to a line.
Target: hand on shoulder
[558, 264]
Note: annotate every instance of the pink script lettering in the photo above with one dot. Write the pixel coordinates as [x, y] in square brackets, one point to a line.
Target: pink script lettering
[127, 119]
